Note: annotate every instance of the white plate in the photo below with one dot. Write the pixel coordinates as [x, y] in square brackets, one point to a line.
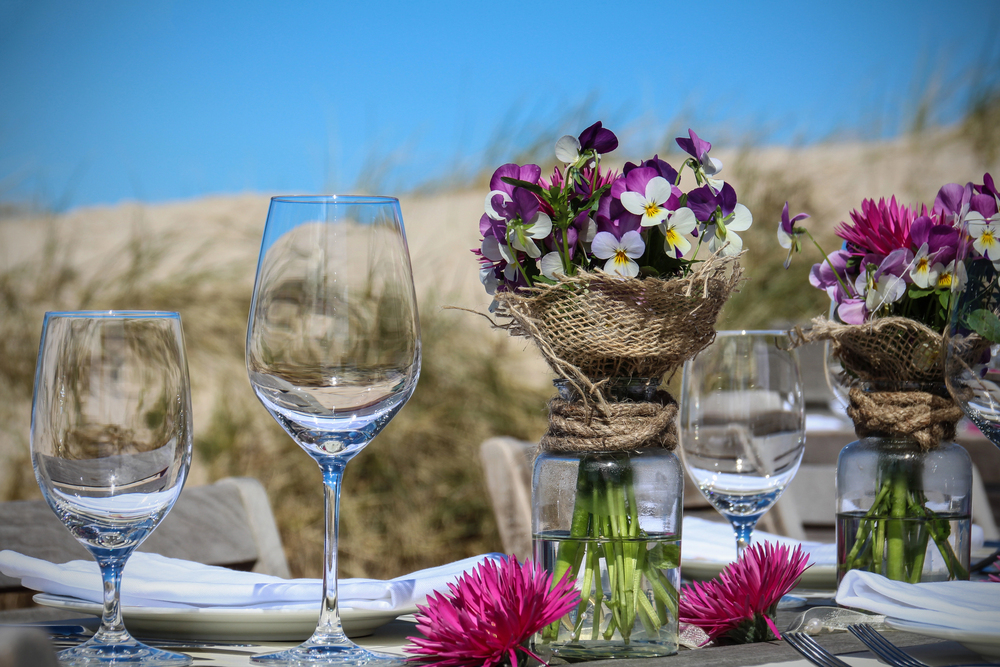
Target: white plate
[818, 577]
[986, 645]
[229, 623]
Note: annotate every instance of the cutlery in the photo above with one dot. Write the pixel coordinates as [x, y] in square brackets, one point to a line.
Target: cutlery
[812, 651]
[891, 653]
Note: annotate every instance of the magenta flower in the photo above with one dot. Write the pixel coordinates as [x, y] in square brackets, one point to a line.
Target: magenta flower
[879, 228]
[738, 607]
[489, 614]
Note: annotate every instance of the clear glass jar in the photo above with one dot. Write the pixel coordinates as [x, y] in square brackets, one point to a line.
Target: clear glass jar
[613, 520]
[903, 512]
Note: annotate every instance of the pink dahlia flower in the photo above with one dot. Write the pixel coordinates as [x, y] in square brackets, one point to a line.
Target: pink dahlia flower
[879, 228]
[738, 607]
[489, 614]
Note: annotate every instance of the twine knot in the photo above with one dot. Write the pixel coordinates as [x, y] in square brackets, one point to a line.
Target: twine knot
[928, 418]
[577, 426]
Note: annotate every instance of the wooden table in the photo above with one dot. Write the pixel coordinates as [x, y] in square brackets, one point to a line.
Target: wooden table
[392, 638]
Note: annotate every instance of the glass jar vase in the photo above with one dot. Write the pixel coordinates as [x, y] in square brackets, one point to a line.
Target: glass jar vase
[904, 512]
[612, 520]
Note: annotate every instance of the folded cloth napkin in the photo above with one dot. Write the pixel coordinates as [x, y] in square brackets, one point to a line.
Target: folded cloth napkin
[151, 580]
[715, 542]
[964, 605]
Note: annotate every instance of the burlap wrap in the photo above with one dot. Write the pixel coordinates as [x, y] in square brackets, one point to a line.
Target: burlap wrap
[594, 326]
[886, 362]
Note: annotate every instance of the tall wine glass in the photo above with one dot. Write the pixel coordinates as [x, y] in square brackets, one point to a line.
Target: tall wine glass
[333, 353]
[111, 446]
[742, 424]
[972, 340]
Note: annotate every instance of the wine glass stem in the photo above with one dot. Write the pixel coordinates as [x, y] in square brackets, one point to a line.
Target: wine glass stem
[112, 628]
[329, 619]
[743, 526]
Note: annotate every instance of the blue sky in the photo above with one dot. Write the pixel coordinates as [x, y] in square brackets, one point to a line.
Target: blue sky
[109, 100]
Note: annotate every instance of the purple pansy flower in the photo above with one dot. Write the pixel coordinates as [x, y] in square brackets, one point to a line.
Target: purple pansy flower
[941, 239]
[595, 139]
[662, 168]
[953, 200]
[698, 148]
[787, 235]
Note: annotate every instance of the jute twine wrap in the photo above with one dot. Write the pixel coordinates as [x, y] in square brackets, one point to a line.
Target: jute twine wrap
[594, 326]
[576, 426]
[899, 354]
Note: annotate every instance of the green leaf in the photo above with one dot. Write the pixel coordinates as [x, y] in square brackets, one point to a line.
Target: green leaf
[916, 293]
[665, 556]
[944, 298]
[531, 187]
[985, 323]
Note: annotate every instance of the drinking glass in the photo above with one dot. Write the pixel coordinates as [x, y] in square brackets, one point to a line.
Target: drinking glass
[972, 340]
[742, 424]
[333, 353]
[111, 446]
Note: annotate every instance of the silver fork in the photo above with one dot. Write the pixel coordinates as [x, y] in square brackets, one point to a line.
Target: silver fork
[882, 647]
[888, 651]
[812, 651]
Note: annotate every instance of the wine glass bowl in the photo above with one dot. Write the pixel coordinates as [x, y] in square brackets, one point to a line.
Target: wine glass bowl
[972, 341]
[742, 424]
[333, 353]
[111, 446]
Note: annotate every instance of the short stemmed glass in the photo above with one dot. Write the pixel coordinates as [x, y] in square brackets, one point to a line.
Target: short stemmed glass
[742, 424]
[333, 353]
[972, 340]
[111, 446]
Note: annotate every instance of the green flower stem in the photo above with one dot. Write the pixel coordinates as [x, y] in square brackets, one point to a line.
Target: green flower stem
[605, 525]
[885, 541]
[939, 530]
[866, 527]
[898, 495]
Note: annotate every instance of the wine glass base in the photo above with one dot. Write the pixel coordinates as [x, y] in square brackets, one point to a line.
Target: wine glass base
[93, 654]
[341, 653]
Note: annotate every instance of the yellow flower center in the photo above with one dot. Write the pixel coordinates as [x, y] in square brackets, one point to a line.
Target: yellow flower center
[673, 237]
[652, 209]
[620, 257]
[922, 264]
[944, 280]
[987, 238]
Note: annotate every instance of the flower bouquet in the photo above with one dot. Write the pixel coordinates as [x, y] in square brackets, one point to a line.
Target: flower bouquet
[903, 489]
[600, 269]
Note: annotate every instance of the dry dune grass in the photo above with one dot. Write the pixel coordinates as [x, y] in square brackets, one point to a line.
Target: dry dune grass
[415, 497]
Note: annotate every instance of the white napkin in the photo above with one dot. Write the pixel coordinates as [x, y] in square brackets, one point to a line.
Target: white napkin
[962, 605]
[151, 580]
[715, 542]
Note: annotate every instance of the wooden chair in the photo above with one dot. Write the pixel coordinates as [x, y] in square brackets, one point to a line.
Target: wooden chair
[228, 523]
[507, 464]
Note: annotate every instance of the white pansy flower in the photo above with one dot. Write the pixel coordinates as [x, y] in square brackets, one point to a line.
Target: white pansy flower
[522, 234]
[724, 235]
[924, 271]
[551, 265]
[677, 229]
[619, 253]
[986, 235]
[649, 205]
[568, 149]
